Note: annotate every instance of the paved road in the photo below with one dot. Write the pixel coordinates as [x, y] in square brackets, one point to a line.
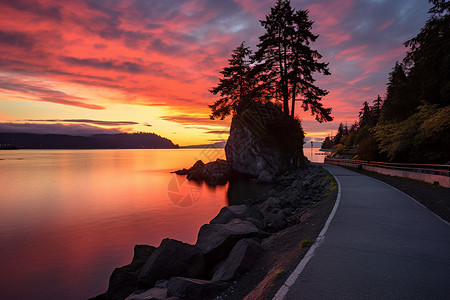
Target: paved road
[381, 244]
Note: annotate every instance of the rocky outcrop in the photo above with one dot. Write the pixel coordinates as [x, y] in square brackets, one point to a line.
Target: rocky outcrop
[217, 240]
[123, 281]
[263, 140]
[264, 143]
[239, 261]
[193, 289]
[151, 294]
[172, 258]
[213, 173]
[243, 212]
[225, 249]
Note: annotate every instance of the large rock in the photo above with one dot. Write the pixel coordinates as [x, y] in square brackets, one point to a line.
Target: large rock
[198, 165]
[123, 280]
[265, 177]
[263, 138]
[240, 260]
[189, 288]
[172, 258]
[151, 294]
[242, 212]
[213, 173]
[275, 221]
[217, 240]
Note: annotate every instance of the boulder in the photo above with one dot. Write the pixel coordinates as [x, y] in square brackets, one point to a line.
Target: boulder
[241, 258]
[274, 222]
[264, 177]
[189, 288]
[217, 240]
[151, 294]
[228, 213]
[123, 280]
[263, 138]
[213, 173]
[269, 204]
[172, 258]
[198, 165]
[242, 212]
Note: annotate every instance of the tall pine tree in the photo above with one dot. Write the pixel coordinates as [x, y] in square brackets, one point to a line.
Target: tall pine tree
[288, 61]
[238, 85]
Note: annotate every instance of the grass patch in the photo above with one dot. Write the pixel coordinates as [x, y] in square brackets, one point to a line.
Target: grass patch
[333, 184]
[306, 243]
[278, 272]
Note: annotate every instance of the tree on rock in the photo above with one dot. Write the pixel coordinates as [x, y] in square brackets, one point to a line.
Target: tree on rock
[281, 70]
[288, 61]
[239, 85]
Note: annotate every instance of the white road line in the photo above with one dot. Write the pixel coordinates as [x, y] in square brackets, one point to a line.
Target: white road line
[413, 200]
[281, 294]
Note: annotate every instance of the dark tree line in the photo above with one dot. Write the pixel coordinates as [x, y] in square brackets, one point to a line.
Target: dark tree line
[411, 124]
[280, 71]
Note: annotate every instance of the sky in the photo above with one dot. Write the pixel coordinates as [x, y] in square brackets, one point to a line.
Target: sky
[96, 66]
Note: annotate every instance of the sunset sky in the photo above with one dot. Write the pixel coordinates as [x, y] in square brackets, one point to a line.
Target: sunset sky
[95, 66]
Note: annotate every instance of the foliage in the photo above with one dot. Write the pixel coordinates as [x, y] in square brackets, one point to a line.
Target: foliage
[424, 74]
[306, 243]
[412, 123]
[422, 137]
[281, 69]
[288, 61]
[339, 149]
[429, 57]
[342, 131]
[238, 86]
[368, 149]
[327, 143]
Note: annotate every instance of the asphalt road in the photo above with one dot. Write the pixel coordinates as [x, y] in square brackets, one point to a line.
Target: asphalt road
[381, 244]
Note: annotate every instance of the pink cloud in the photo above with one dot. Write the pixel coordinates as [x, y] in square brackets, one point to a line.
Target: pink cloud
[385, 25]
[154, 53]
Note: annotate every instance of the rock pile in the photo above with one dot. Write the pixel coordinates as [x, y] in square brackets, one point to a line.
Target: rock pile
[213, 173]
[264, 143]
[226, 248]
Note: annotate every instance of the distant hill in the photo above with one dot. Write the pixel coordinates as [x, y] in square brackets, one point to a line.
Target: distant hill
[214, 145]
[97, 141]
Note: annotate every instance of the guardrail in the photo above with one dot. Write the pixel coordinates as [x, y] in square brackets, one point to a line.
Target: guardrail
[439, 174]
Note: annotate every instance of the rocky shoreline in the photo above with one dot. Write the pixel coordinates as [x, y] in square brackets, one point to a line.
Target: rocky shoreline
[227, 247]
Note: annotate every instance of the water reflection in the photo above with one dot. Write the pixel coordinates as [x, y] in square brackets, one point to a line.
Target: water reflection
[68, 218]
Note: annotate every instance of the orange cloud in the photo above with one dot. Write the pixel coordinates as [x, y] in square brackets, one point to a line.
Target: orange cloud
[93, 54]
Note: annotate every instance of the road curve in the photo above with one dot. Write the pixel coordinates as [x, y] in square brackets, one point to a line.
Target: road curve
[381, 244]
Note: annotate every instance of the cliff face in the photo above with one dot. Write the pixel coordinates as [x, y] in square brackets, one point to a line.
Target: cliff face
[263, 138]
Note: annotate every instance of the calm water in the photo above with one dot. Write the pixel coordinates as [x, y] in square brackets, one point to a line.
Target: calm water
[69, 217]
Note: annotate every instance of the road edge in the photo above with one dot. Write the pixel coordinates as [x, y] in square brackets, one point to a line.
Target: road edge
[284, 289]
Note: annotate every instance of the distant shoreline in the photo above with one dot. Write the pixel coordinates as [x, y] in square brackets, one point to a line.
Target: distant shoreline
[97, 141]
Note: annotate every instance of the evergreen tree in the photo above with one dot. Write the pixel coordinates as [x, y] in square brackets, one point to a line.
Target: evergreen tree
[288, 62]
[342, 131]
[327, 143]
[377, 105]
[238, 85]
[429, 57]
[364, 115]
[398, 105]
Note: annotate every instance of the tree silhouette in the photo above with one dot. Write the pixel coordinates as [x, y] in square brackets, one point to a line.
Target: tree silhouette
[397, 106]
[377, 105]
[429, 57]
[288, 62]
[234, 87]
